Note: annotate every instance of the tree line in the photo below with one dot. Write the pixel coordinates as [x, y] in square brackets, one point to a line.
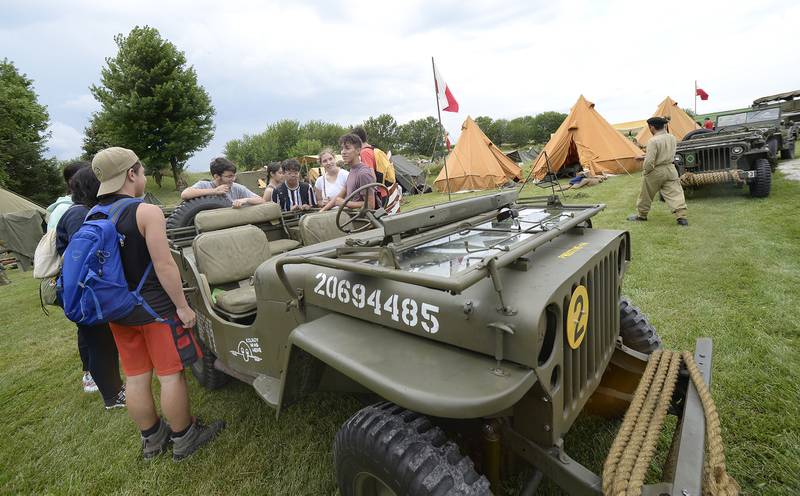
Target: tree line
[151, 102]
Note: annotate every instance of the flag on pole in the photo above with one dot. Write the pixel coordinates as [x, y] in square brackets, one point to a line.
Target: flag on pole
[701, 93]
[445, 98]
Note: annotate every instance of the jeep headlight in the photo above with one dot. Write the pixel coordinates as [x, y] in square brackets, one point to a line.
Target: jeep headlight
[737, 150]
[678, 159]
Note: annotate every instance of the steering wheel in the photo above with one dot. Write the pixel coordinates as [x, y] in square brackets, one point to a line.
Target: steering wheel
[364, 213]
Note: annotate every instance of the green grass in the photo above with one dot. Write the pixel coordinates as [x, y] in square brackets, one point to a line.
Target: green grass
[731, 275]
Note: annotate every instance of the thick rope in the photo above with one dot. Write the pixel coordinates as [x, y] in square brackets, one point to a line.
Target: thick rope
[629, 458]
[706, 178]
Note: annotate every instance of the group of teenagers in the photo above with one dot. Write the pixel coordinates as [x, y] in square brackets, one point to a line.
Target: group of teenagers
[285, 186]
[152, 338]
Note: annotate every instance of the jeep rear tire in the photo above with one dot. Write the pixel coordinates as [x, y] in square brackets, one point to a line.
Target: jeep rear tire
[636, 331]
[760, 186]
[696, 132]
[385, 449]
[203, 369]
[184, 213]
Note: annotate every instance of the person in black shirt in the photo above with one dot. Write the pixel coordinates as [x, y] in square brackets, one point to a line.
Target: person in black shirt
[294, 194]
[102, 359]
[145, 342]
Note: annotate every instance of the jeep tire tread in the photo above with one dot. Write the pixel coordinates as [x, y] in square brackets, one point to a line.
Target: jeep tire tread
[184, 213]
[386, 445]
[636, 331]
[760, 186]
[203, 369]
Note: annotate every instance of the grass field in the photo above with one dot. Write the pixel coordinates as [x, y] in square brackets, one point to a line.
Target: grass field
[732, 275]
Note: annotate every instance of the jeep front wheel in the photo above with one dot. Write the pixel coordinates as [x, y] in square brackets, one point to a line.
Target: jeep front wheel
[636, 331]
[387, 450]
[760, 186]
[203, 369]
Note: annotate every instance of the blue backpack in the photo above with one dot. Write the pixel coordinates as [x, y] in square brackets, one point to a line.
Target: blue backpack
[92, 284]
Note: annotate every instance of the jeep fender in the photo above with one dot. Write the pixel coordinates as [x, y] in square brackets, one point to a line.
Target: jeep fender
[416, 373]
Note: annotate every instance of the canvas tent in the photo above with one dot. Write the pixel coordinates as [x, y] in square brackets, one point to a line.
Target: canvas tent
[20, 225]
[585, 137]
[476, 163]
[410, 177]
[523, 155]
[679, 121]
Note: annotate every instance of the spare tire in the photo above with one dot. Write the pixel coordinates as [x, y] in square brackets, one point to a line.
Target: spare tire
[696, 132]
[184, 213]
[636, 331]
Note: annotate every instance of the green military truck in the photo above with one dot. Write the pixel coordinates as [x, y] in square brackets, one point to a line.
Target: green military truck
[482, 328]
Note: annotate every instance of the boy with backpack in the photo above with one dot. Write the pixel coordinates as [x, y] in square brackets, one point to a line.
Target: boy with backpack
[125, 240]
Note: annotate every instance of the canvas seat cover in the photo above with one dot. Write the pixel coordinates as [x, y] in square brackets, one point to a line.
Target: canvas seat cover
[228, 256]
[316, 228]
[221, 218]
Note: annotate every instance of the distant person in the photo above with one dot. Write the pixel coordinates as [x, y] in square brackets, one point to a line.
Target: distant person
[708, 123]
[146, 343]
[223, 175]
[368, 159]
[57, 209]
[95, 342]
[294, 194]
[333, 179]
[659, 175]
[359, 176]
[274, 178]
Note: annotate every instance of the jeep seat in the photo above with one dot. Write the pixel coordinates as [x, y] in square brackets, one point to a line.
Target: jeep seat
[319, 227]
[228, 258]
[223, 218]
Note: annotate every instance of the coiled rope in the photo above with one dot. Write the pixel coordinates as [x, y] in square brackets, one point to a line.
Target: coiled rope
[633, 448]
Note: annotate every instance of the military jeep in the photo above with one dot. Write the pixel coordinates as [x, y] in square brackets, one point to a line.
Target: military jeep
[483, 328]
[743, 149]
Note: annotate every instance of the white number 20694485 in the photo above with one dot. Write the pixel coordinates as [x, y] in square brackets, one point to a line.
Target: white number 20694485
[405, 310]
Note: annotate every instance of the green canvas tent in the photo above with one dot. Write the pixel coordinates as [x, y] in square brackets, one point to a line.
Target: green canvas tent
[21, 225]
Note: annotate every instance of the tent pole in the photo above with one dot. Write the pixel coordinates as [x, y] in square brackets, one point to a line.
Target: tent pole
[441, 127]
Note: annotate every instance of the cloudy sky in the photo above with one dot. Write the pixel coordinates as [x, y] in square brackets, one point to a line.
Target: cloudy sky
[343, 61]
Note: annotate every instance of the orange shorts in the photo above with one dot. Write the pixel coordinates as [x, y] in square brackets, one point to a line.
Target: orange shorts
[153, 346]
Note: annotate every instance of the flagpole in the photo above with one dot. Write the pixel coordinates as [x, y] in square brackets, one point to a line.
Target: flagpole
[695, 98]
[439, 113]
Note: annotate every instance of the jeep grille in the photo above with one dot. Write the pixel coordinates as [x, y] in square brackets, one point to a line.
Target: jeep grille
[713, 159]
[583, 367]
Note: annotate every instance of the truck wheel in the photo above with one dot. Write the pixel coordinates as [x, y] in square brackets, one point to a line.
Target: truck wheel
[760, 186]
[788, 153]
[636, 331]
[387, 450]
[203, 369]
[696, 132]
[184, 213]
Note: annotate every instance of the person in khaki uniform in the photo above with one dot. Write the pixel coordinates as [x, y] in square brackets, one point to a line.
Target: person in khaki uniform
[659, 175]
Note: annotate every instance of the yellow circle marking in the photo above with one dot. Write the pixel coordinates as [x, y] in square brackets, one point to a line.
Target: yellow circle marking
[577, 317]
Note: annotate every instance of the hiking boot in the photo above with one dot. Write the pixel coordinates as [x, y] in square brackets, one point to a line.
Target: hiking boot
[88, 383]
[155, 444]
[683, 222]
[636, 218]
[118, 401]
[197, 435]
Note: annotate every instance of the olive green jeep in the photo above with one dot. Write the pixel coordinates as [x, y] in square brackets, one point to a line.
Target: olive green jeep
[482, 327]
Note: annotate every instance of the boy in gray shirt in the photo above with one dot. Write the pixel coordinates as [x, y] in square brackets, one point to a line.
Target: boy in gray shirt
[223, 174]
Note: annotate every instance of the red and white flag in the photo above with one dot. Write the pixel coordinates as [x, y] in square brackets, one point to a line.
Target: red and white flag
[443, 95]
[701, 93]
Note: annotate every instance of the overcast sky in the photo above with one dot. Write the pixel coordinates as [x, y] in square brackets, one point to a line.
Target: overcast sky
[342, 62]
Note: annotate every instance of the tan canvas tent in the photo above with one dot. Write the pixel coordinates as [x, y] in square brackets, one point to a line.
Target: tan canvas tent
[679, 121]
[586, 137]
[21, 226]
[11, 202]
[476, 163]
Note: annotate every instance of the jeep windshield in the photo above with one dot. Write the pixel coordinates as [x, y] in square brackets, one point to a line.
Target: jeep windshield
[752, 117]
[453, 253]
